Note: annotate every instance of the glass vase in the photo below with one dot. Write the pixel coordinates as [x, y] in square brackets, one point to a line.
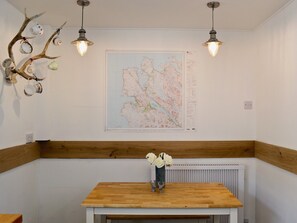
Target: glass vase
[160, 177]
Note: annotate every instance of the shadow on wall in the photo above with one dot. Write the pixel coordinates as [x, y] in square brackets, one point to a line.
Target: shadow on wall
[16, 102]
[17, 106]
[264, 213]
[1, 115]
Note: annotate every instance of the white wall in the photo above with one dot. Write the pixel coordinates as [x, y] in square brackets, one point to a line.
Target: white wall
[276, 198]
[18, 189]
[78, 88]
[16, 110]
[76, 111]
[72, 107]
[277, 79]
[17, 186]
[276, 113]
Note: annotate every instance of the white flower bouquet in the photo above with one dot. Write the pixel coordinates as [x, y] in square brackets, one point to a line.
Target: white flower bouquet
[162, 160]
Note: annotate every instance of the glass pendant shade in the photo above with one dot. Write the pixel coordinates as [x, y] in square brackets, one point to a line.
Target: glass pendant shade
[213, 44]
[82, 42]
[213, 48]
[82, 47]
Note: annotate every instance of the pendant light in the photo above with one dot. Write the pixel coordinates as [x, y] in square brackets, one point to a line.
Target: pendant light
[213, 44]
[82, 42]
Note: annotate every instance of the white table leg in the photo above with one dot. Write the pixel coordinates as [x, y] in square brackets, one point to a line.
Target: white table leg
[216, 219]
[233, 215]
[90, 215]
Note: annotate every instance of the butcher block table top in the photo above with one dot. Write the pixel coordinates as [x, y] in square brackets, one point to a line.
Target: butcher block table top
[175, 195]
[10, 218]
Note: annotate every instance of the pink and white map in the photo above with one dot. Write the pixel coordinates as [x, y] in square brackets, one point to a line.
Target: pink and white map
[145, 90]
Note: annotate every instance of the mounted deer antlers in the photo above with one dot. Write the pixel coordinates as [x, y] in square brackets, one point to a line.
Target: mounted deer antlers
[11, 69]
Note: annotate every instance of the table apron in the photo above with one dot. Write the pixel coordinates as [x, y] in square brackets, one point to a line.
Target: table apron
[163, 211]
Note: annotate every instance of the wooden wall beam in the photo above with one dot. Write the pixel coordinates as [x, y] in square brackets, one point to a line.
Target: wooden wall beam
[18, 155]
[138, 149]
[277, 156]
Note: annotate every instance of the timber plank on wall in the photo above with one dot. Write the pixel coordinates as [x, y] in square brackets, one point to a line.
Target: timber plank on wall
[138, 149]
[276, 155]
[18, 155]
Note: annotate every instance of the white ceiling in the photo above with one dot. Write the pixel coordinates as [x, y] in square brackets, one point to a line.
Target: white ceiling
[192, 14]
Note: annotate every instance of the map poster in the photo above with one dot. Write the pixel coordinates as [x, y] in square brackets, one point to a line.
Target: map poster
[145, 90]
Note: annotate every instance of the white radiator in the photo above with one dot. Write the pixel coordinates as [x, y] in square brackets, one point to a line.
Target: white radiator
[231, 175]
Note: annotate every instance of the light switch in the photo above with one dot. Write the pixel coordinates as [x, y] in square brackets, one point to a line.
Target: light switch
[248, 105]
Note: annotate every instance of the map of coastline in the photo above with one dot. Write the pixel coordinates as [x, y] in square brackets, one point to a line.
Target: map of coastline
[150, 90]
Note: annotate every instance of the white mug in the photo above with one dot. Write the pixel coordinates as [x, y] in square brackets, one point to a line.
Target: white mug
[30, 89]
[53, 65]
[57, 41]
[7, 63]
[29, 69]
[40, 74]
[36, 29]
[26, 47]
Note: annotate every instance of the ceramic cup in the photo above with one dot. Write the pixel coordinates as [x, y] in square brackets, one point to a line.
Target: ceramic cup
[40, 74]
[57, 41]
[10, 76]
[31, 89]
[26, 47]
[37, 29]
[7, 63]
[38, 88]
[29, 69]
[53, 65]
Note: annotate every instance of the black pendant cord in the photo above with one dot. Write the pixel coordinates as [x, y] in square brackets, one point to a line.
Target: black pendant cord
[212, 18]
[82, 17]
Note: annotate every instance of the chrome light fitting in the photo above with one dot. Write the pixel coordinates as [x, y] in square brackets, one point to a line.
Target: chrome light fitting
[82, 42]
[213, 44]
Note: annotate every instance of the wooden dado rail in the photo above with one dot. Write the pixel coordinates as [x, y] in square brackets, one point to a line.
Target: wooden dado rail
[275, 155]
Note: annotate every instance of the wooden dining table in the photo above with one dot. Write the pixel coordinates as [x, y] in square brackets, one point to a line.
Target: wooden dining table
[125, 198]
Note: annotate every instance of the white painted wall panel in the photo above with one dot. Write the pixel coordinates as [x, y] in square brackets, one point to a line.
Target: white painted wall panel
[276, 199]
[17, 112]
[277, 79]
[276, 113]
[77, 96]
[18, 192]
[18, 186]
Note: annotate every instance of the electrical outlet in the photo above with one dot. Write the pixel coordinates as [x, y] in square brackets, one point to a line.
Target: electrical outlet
[248, 105]
[29, 137]
[246, 220]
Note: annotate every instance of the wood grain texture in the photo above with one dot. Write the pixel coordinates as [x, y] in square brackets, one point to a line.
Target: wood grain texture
[138, 149]
[278, 156]
[18, 155]
[11, 218]
[175, 195]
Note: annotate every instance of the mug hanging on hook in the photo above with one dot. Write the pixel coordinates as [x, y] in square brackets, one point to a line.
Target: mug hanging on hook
[31, 89]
